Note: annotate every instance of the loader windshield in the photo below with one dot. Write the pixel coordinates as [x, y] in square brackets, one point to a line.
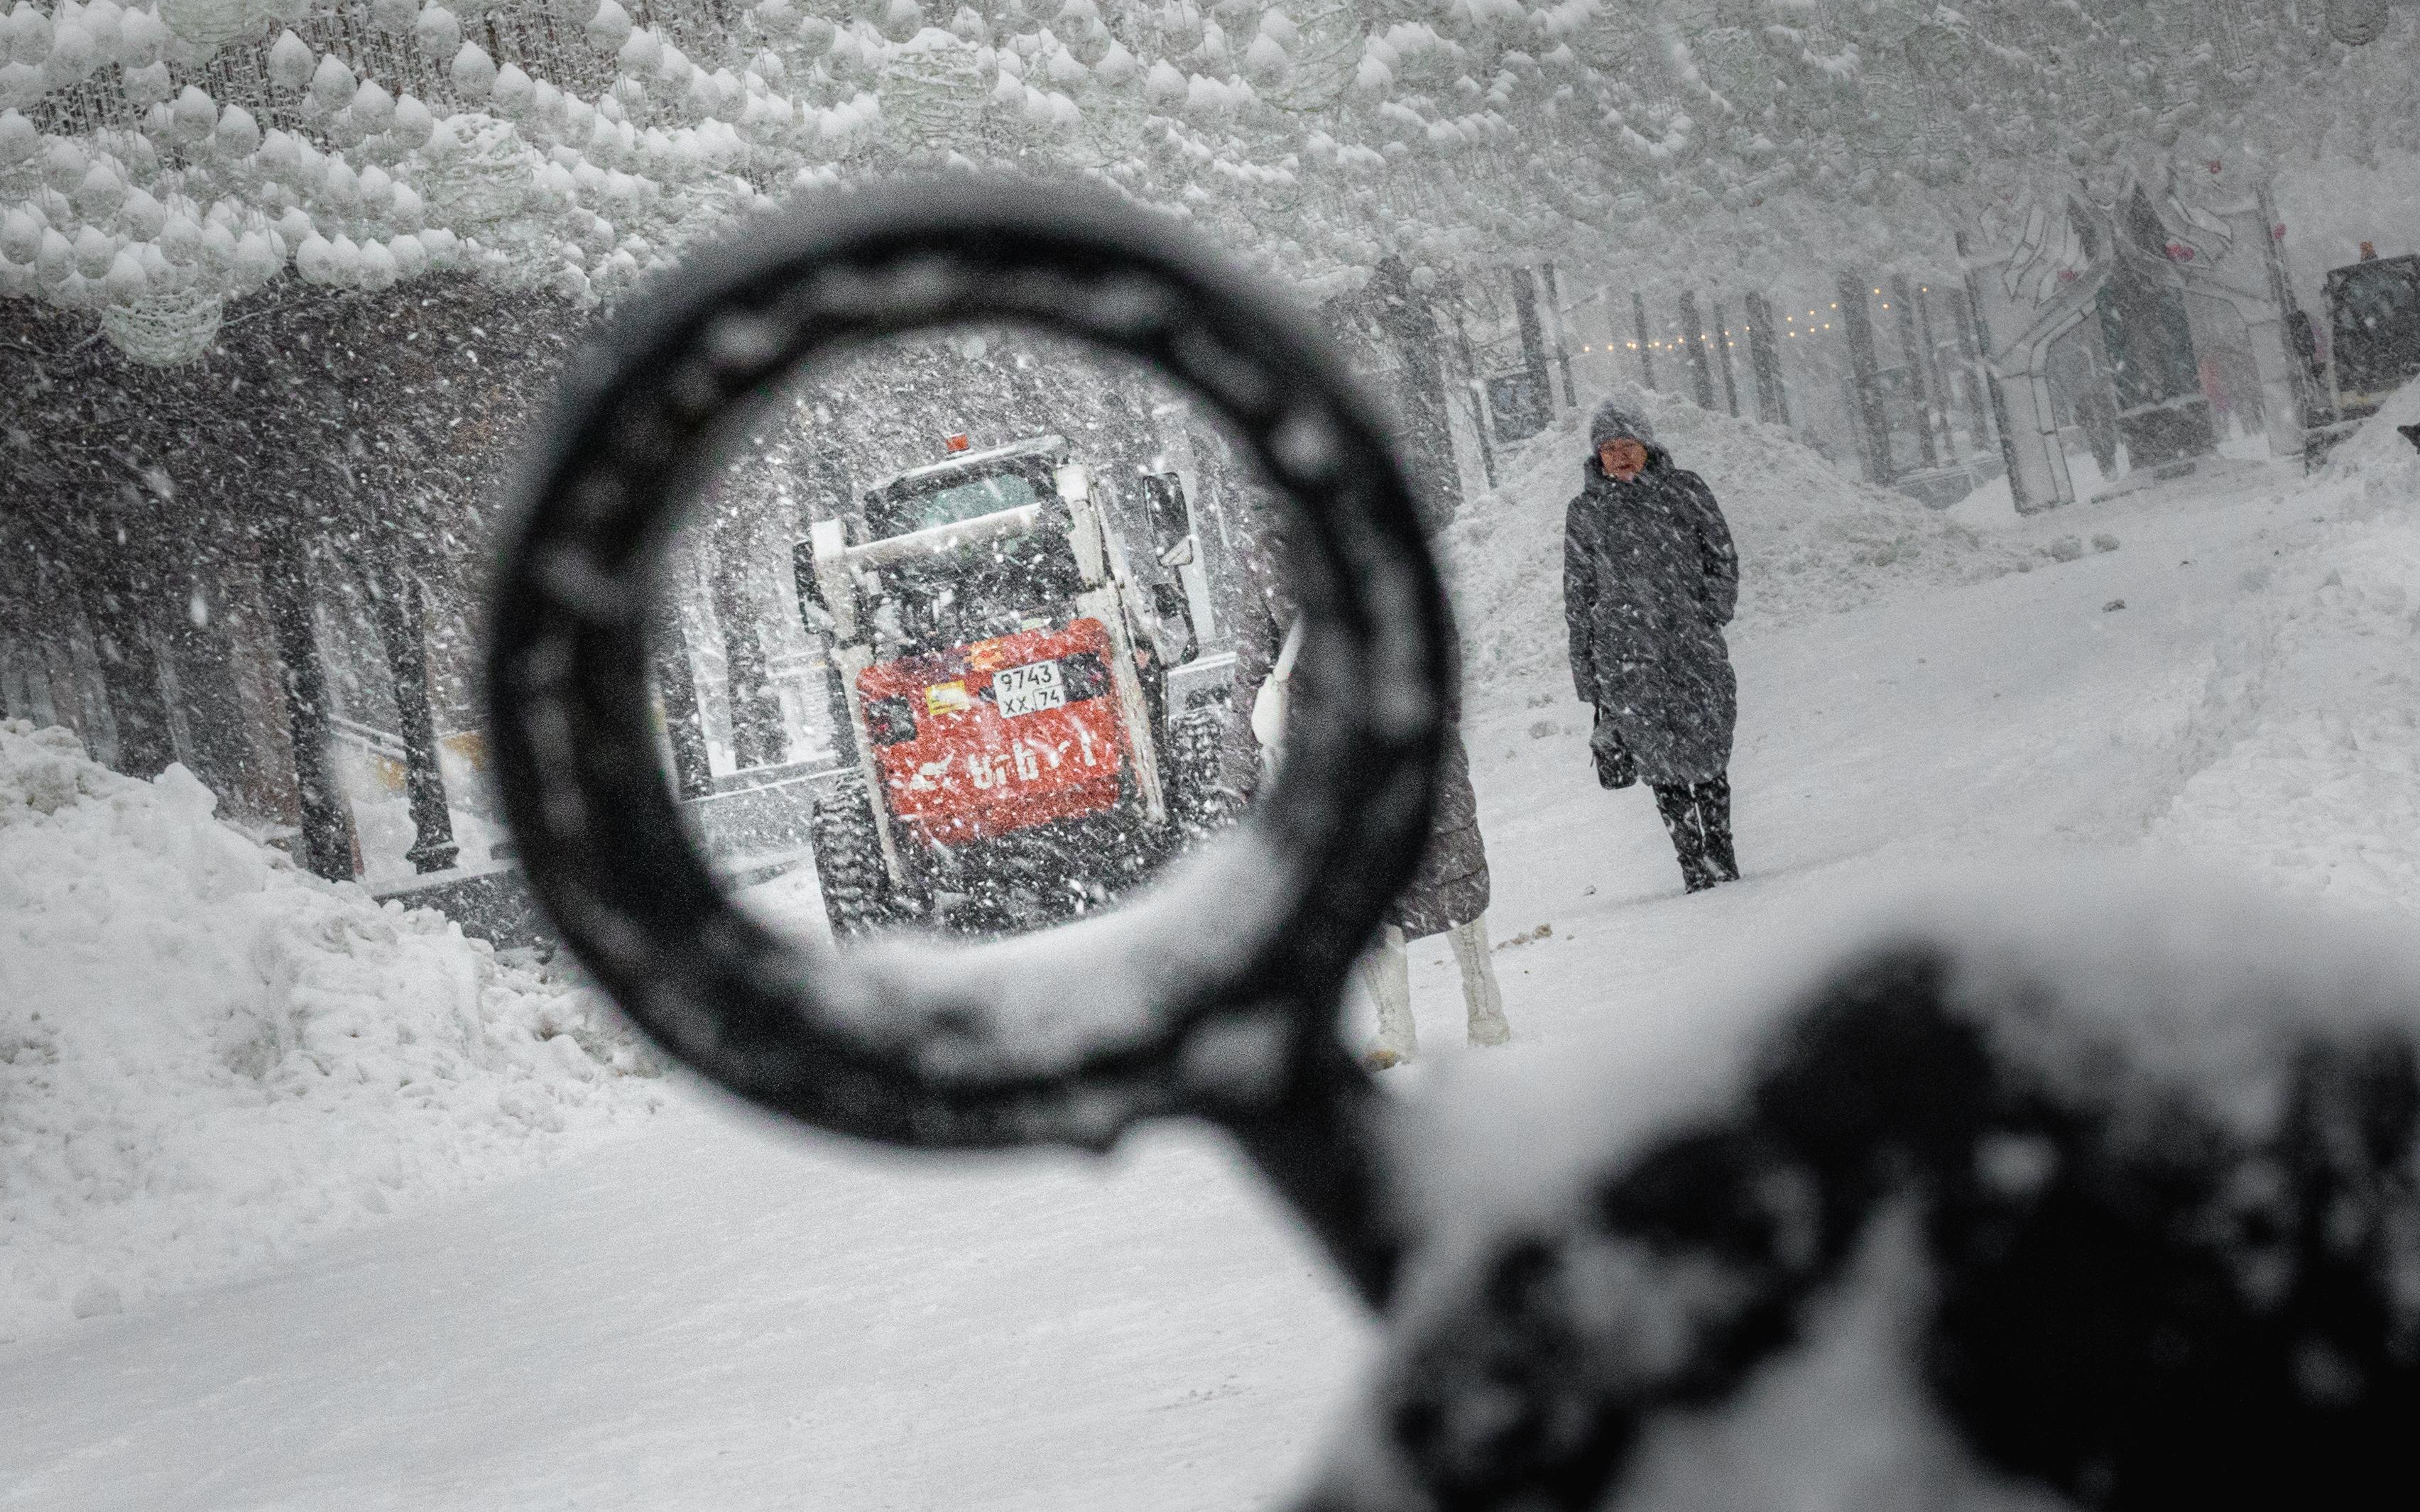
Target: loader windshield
[961, 501]
[976, 590]
[952, 597]
[946, 501]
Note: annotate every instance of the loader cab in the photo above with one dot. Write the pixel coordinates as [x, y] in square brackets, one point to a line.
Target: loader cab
[1004, 637]
[977, 545]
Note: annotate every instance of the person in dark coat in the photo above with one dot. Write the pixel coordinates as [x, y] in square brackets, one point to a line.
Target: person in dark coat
[1650, 580]
[1449, 892]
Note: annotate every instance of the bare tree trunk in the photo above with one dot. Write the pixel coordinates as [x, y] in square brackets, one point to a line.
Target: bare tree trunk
[129, 666]
[395, 598]
[1693, 336]
[1472, 385]
[757, 737]
[1408, 316]
[258, 683]
[1865, 381]
[1722, 337]
[327, 848]
[1646, 349]
[677, 684]
[1533, 337]
[1764, 360]
[1903, 301]
[200, 651]
[1945, 396]
[1563, 341]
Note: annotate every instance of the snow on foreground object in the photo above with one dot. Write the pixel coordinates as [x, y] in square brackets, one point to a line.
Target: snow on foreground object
[208, 1056]
[2086, 1177]
[1812, 539]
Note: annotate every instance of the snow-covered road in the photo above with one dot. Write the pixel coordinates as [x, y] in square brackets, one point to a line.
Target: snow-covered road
[725, 1315]
[718, 1312]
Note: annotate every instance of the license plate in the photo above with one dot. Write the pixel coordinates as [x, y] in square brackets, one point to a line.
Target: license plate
[1028, 689]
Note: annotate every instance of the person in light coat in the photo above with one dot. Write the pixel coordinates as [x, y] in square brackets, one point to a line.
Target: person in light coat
[1448, 893]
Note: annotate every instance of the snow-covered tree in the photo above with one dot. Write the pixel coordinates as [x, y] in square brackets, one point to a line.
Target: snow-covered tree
[158, 160]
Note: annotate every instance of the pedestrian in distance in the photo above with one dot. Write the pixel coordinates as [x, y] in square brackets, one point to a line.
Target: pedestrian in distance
[1650, 580]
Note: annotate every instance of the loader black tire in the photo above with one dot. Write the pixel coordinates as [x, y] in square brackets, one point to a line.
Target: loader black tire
[1197, 804]
[848, 861]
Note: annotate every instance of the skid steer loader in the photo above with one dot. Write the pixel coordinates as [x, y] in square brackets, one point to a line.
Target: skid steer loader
[1029, 727]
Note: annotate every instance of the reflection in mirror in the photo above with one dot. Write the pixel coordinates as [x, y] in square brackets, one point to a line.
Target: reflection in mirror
[951, 643]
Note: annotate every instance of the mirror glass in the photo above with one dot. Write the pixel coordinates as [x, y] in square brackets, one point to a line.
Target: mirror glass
[953, 644]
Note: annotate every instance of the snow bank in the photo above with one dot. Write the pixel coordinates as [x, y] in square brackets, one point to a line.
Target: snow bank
[208, 1056]
[2190, 979]
[2317, 784]
[2305, 759]
[1812, 539]
[2377, 459]
[1992, 506]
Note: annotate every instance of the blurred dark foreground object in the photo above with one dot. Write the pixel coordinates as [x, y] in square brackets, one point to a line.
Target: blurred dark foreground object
[2147, 1166]
[2144, 1173]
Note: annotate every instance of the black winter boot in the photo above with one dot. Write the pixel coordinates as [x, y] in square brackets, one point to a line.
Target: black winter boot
[1714, 820]
[1678, 804]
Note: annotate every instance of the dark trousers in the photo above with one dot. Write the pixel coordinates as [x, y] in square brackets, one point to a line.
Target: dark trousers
[1698, 814]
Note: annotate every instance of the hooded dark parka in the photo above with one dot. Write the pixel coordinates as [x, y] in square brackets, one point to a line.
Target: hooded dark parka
[1650, 580]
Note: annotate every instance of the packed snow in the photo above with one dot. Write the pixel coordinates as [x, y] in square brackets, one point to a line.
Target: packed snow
[714, 1311]
[2308, 735]
[210, 1059]
[386, 833]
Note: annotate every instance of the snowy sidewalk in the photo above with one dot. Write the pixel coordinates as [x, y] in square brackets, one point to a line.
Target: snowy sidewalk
[717, 1315]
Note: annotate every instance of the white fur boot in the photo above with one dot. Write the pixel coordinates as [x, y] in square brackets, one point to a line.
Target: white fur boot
[1387, 975]
[1480, 992]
